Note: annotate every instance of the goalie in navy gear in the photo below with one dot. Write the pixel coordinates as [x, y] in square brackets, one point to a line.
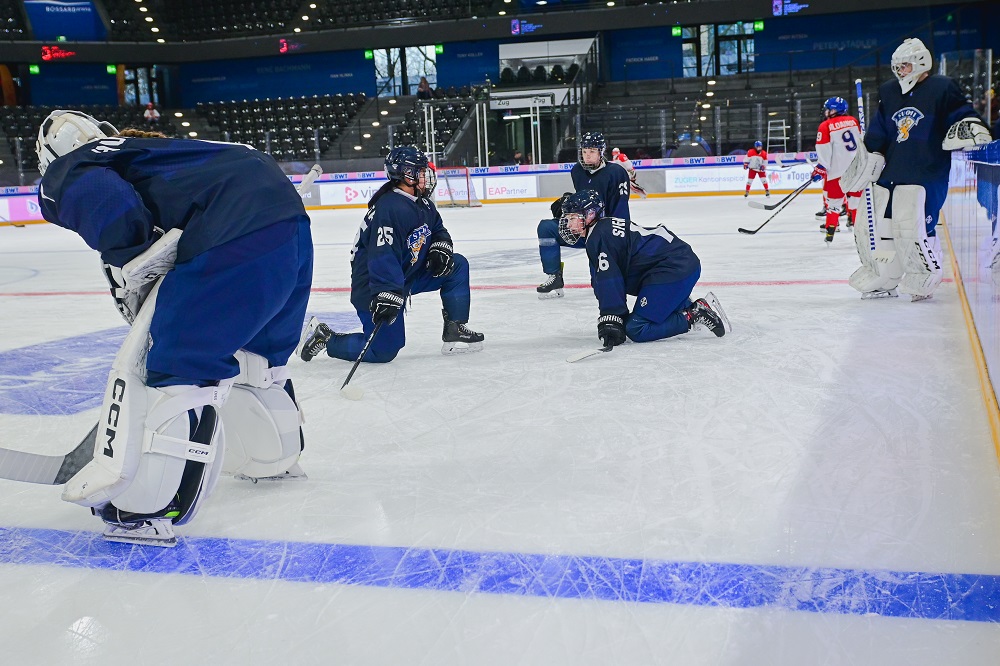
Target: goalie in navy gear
[401, 249]
[921, 117]
[591, 172]
[208, 252]
[652, 264]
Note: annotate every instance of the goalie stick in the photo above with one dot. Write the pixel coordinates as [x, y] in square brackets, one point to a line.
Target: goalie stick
[315, 172]
[787, 200]
[47, 470]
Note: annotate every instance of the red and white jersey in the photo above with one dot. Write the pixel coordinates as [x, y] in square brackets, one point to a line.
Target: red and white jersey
[836, 142]
[626, 162]
[756, 159]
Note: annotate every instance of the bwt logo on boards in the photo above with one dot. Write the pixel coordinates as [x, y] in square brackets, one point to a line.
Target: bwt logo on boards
[509, 169]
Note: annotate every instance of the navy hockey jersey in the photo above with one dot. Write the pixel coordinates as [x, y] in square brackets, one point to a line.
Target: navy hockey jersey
[908, 129]
[625, 257]
[611, 182]
[391, 247]
[114, 191]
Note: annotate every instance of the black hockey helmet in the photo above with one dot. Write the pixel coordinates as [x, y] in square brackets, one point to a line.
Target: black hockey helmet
[580, 204]
[404, 164]
[594, 140]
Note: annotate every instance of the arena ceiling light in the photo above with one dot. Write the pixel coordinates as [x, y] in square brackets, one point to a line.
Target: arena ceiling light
[192, 134]
[143, 9]
[178, 114]
[375, 123]
[154, 29]
[706, 106]
[366, 135]
[502, 13]
[702, 117]
[298, 30]
[611, 3]
[357, 147]
[512, 116]
[711, 82]
[161, 40]
[384, 112]
[709, 94]
[149, 19]
[392, 101]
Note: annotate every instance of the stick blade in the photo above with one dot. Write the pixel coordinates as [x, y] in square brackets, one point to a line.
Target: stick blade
[749, 232]
[352, 392]
[758, 205]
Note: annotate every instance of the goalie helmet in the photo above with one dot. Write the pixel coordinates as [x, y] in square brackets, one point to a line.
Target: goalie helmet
[64, 131]
[405, 164]
[596, 141]
[837, 106]
[913, 52]
[575, 207]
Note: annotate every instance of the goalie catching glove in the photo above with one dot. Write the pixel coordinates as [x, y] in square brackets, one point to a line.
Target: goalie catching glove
[440, 259]
[966, 134]
[611, 330]
[131, 284]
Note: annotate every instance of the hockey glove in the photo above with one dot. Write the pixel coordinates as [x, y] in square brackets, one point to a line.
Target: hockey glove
[819, 173]
[385, 307]
[440, 259]
[556, 206]
[611, 330]
[966, 134]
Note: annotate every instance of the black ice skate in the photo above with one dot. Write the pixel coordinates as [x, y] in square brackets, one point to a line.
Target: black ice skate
[767, 194]
[552, 287]
[708, 313]
[458, 338]
[821, 215]
[822, 227]
[314, 339]
[830, 231]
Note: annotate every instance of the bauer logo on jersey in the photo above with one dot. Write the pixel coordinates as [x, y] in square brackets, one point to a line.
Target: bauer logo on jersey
[906, 119]
[415, 242]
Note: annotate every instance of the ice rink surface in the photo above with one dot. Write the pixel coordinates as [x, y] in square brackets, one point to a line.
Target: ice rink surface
[820, 487]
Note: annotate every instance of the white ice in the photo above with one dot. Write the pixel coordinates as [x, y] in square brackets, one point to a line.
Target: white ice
[823, 432]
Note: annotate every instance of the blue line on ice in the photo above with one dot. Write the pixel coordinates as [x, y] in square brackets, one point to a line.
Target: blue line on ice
[904, 594]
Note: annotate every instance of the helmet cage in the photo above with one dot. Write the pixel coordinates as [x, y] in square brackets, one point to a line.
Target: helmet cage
[913, 52]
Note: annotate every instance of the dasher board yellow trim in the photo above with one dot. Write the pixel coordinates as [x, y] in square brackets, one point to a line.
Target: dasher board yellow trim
[985, 383]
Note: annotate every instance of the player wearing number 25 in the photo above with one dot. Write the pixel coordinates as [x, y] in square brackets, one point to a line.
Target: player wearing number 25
[652, 264]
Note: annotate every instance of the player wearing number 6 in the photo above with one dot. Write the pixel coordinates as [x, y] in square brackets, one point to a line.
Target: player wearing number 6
[402, 248]
[652, 264]
[836, 142]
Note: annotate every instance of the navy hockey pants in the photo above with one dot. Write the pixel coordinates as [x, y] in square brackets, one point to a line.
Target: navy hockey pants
[391, 338]
[658, 310]
[548, 245]
[250, 293]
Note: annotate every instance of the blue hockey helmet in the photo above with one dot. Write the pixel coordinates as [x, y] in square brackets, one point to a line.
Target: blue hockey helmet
[758, 145]
[579, 205]
[596, 141]
[837, 106]
[405, 163]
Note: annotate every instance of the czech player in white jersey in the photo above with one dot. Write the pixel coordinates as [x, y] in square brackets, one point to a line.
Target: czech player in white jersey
[836, 143]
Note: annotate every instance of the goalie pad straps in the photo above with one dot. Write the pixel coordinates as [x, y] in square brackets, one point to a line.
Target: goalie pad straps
[920, 255]
[880, 267]
[863, 170]
[263, 436]
[965, 134]
[131, 284]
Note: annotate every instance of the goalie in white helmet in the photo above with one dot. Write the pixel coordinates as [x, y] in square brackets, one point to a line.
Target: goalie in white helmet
[208, 253]
[920, 118]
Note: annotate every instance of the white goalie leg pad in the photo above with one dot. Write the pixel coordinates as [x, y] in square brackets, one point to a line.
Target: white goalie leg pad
[262, 421]
[143, 442]
[880, 267]
[921, 256]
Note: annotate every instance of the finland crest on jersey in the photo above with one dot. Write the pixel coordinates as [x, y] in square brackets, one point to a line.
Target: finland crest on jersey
[906, 119]
[415, 241]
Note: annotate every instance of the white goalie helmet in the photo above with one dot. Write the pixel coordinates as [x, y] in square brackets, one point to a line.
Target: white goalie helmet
[912, 51]
[63, 131]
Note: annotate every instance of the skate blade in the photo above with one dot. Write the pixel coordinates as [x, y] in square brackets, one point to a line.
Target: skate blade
[872, 295]
[278, 477]
[714, 302]
[914, 298]
[555, 293]
[167, 542]
[450, 348]
[306, 334]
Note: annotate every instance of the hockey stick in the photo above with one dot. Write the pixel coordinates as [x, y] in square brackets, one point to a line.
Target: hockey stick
[759, 206]
[355, 392]
[787, 201]
[587, 354]
[309, 179]
[47, 470]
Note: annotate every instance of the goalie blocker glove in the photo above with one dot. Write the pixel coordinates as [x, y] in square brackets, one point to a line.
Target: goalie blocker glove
[385, 307]
[440, 259]
[611, 330]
